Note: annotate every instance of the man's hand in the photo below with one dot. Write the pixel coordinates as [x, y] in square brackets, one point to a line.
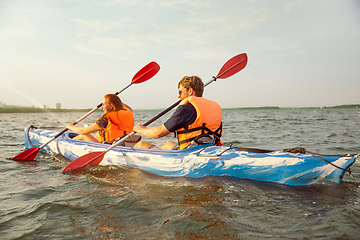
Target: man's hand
[139, 127]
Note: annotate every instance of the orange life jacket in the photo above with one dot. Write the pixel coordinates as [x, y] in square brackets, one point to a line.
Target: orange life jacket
[119, 123]
[207, 122]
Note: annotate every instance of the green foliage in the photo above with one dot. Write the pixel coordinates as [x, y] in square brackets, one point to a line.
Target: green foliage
[278, 108]
[346, 106]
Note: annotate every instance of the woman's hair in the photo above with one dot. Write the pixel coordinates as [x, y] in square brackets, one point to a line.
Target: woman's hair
[193, 82]
[114, 101]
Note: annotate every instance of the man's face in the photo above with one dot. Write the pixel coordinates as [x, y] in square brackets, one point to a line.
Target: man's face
[184, 92]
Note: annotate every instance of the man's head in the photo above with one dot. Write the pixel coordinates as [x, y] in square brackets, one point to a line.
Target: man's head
[189, 86]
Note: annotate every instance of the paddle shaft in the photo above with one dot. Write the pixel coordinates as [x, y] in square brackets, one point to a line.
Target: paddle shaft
[80, 119]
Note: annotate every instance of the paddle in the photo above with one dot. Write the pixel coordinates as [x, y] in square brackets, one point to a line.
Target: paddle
[142, 75]
[231, 67]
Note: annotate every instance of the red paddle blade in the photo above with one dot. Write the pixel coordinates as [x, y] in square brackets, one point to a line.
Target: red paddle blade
[146, 72]
[233, 66]
[93, 158]
[27, 155]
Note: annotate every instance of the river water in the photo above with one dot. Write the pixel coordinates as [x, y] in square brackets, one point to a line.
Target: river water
[38, 202]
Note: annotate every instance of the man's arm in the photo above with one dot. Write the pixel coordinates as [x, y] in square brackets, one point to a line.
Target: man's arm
[154, 132]
[182, 117]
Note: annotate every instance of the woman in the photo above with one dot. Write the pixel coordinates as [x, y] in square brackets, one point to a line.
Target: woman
[117, 121]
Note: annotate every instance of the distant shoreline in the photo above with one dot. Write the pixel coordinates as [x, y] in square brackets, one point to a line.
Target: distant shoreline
[291, 108]
[14, 109]
[38, 110]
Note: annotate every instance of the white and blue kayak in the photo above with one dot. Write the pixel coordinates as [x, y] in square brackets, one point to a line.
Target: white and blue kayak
[295, 169]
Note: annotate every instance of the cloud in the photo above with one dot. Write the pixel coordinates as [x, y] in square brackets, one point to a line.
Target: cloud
[273, 44]
[185, 4]
[123, 3]
[97, 27]
[187, 28]
[25, 24]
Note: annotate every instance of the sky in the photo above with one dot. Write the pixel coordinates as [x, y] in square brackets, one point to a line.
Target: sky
[301, 53]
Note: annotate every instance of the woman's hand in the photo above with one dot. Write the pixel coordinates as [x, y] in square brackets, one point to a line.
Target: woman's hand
[70, 126]
[83, 130]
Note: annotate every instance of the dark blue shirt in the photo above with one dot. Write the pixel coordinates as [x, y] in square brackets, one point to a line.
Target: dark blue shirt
[182, 118]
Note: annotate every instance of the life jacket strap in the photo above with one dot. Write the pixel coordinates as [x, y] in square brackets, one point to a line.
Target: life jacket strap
[132, 139]
[205, 132]
[112, 141]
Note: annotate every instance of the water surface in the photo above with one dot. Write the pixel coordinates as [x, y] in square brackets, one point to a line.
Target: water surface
[38, 202]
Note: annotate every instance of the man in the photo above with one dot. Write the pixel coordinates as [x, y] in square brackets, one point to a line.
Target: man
[196, 120]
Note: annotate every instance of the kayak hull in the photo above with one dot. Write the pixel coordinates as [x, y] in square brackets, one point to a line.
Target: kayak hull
[295, 169]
